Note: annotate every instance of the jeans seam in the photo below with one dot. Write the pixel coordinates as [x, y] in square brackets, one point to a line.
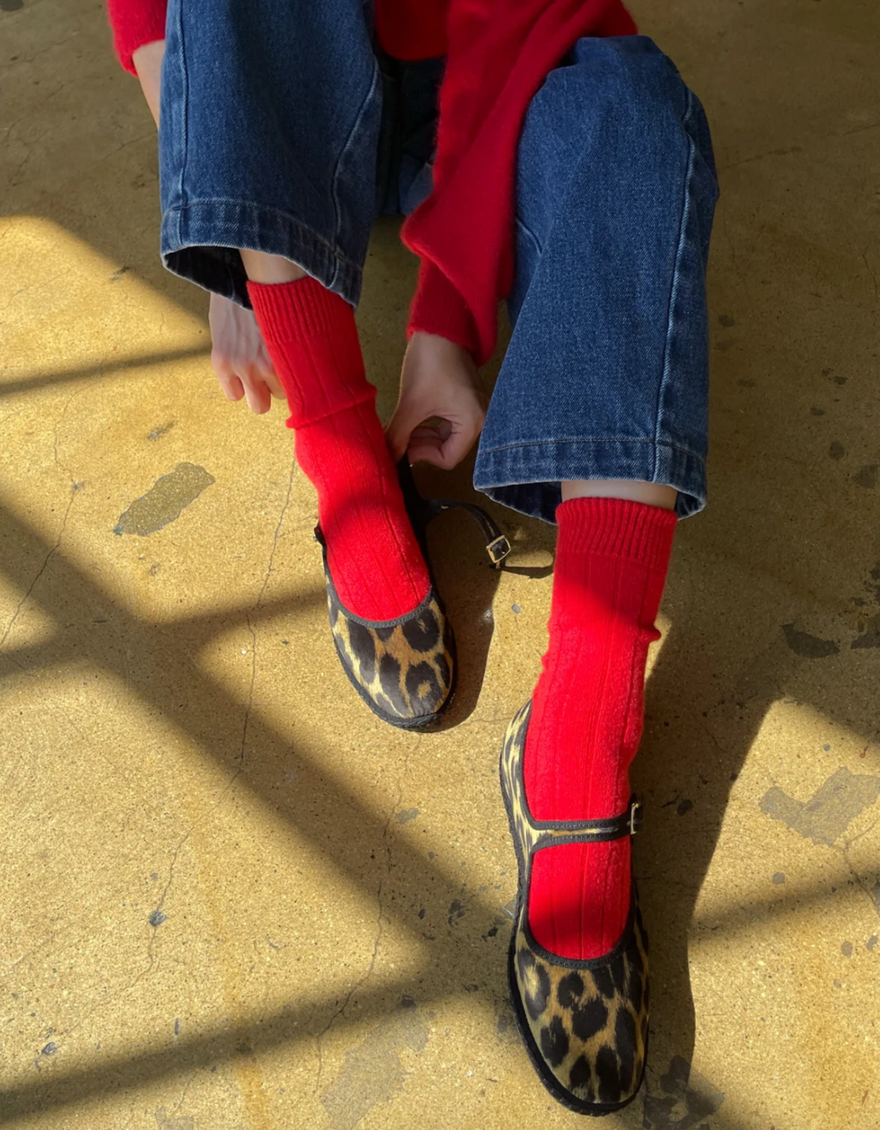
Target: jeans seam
[353, 133]
[676, 274]
[185, 111]
[525, 227]
[656, 443]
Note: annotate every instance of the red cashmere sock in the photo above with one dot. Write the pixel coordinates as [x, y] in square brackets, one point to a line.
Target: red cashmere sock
[374, 557]
[587, 713]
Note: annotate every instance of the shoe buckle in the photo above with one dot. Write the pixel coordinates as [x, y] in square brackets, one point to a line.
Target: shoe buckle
[635, 819]
[498, 549]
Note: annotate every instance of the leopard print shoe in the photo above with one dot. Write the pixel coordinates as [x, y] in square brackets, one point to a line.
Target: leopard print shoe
[404, 669]
[584, 1023]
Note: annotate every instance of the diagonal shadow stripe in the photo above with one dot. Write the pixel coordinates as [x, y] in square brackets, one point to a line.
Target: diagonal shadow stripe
[287, 1027]
[202, 628]
[292, 1024]
[345, 838]
[212, 720]
[33, 382]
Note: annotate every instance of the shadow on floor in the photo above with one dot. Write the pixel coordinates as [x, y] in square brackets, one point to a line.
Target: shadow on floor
[713, 684]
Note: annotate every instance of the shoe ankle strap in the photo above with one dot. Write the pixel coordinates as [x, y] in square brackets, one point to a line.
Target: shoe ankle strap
[497, 545]
[424, 510]
[627, 823]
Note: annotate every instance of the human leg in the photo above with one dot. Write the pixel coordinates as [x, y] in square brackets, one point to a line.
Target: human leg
[599, 420]
[270, 126]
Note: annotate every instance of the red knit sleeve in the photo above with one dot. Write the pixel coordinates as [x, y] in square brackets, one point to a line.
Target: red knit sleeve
[499, 53]
[135, 23]
[438, 308]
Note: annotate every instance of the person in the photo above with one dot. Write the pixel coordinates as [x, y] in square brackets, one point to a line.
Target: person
[546, 154]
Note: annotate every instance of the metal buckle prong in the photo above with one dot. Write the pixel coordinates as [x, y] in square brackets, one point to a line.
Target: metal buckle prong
[498, 549]
[633, 810]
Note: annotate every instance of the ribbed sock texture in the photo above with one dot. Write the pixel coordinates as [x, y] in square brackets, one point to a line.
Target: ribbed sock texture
[374, 557]
[587, 712]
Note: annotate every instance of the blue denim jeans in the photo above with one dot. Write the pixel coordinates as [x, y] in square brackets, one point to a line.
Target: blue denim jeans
[285, 129]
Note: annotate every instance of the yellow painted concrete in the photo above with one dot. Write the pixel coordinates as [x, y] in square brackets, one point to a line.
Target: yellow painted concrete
[178, 743]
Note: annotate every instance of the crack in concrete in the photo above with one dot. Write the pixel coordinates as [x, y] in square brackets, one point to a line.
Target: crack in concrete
[74, 486]
[857, 876]
[340, 1011]
[250, 625]
[53, 550]
[870, 270]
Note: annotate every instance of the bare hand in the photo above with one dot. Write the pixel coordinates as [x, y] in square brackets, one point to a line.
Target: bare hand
[441, 408]
[239, 356]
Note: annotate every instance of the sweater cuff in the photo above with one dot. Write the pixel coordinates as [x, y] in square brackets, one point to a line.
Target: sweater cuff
[438, 308]
[141, 24]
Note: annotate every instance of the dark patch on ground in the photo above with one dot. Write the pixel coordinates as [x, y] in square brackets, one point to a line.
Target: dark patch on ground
[164, 501]
[455, 912]
[867, 476]
[162, 430]
[779, 878]
[166, 1121]
[685, 1099]
[372, 1072]
[117, 275]
[871, 942]
[50, 1049]
[407, 815]
[831, 809]
[836, 450]
[817, 411]
[11, 5]
[157, 918]
[807, 645]
[745, 382]
[875, 896]
[870, 637]
[505, 1023]
[846, 949]
[685, 806]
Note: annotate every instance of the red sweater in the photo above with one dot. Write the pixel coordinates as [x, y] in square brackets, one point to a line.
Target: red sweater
[498, 54]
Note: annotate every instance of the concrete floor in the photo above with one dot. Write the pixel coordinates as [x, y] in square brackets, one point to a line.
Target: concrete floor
[235, 901]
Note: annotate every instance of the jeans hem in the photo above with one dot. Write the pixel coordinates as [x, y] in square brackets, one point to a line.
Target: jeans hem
[200, 242]
[526, 476]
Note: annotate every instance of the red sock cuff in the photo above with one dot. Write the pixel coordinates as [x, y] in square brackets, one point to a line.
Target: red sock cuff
[616, 527]
[296, 310]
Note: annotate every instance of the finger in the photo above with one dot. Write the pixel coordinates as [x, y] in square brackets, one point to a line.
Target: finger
[226, 377]
[399, 430]
[445, 449]
[426, 449]
[256, 393]
[270, 378]
[231, 386]
[456, 448]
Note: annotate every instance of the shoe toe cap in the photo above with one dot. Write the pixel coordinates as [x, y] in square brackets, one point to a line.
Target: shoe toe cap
[404, 669]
